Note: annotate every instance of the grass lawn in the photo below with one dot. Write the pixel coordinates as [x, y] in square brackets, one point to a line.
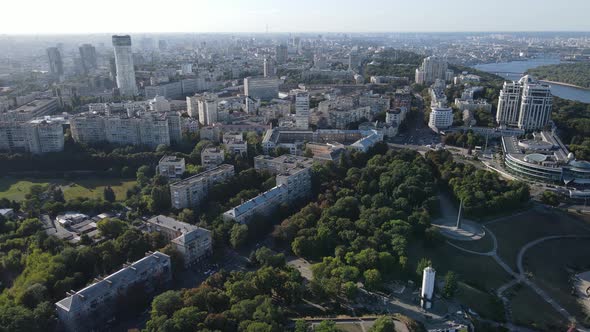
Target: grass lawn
[484, 304]
[479, 271]
[529, 309]
[552, 263]
[515, 232]
[91, 187]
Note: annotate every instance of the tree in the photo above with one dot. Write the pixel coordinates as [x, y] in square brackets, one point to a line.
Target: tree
[451, 284]
[109, 194]
[550, 198]
[383, 324]
[187, 216]
[160, 199]
[372, 279]
[111, 227]
[422, 264]
[166, 304]
[327, 326]
[238, 235]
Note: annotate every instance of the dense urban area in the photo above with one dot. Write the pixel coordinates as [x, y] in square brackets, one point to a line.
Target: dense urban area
[294, 182]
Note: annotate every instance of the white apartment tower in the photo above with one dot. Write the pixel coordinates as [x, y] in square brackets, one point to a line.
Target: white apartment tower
[124, 64]
[526, 104]
[432, 68]
[207, 105]
[302, 109]
[192, 107]
[441, 117]
[428, 278]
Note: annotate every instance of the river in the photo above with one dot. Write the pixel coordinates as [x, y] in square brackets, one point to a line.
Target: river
[513, 71]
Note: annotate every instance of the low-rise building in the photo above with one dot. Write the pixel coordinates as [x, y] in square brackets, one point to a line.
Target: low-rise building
[293, 176]
[340, 118]
[192, 242]
[212, 157]
[171, 167]
[90, 308]
[190, 192]
[234, 143]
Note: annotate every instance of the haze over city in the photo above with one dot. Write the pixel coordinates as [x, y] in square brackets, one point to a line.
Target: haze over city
[295, 166]
[71, 16]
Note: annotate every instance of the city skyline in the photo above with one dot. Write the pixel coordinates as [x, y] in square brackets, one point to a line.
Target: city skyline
[68, 17]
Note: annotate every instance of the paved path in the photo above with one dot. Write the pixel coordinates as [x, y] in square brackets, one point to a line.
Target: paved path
[520, 276]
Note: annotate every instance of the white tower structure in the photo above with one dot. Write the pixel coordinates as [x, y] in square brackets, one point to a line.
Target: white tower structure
[428, 278]
[124, 64]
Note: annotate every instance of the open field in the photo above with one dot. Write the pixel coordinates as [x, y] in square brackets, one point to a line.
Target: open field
[91, 187]
[551, 265]
[484, 304]
[529, 309]
[514, 232]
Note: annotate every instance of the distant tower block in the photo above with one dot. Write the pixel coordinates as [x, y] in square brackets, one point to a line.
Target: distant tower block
[428, 278]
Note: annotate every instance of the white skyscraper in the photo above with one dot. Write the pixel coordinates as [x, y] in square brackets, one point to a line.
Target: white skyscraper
[124, 63]
[302, 109]
[428, 278]
[526, 104]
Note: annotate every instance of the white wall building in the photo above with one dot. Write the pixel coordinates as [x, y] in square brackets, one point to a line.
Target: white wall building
[263, 88]
[192, 242]
[212, 157]
[207, 104]
[171, 167]
[440, 117]
[432, 68]
[526, 104]
[190, 192]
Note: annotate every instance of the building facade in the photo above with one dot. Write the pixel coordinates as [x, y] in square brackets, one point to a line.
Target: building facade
[171, 167]
[124, 64]
[190, 192]
[193, 243]
[526, 104]
[263, 88]
[90, 308]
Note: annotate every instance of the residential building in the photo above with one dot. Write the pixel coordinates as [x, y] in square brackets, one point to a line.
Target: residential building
[396, 115]
[263, 88]
[145, 128]
[341, 118]
[282, 52]
[88, 57]
[90, 308]
[234, 143]
[526, 104]
[36, 136]
[302, 109]
[192, 242]
[441, 117]
[212, 157]
[432, 68]
[171, 167]
[190, 192]
[124, 64]
[293, 176]
[207, 105]
[269, 68]
[56, 65]
[192, 106]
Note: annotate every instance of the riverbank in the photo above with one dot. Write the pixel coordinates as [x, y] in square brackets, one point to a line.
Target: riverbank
[566, 84]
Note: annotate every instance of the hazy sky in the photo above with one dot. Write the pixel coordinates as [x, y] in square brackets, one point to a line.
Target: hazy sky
[83, 16]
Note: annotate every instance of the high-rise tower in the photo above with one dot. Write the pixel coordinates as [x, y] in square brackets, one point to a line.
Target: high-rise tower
[56, 65]
[124, 63]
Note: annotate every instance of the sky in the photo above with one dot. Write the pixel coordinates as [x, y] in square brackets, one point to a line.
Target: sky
[133, 16]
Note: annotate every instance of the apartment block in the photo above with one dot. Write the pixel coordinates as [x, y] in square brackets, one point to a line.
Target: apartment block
[90, 308]
[171, 167]
[190, 192]
[192, 242]
[212, 157]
